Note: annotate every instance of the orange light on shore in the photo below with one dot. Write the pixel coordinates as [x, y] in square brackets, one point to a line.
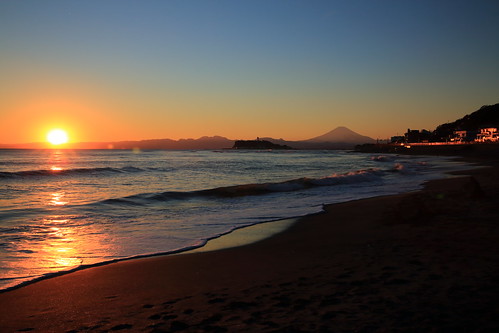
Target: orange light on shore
[57, 137]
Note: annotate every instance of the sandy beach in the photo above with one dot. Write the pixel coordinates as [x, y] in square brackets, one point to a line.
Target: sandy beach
[425, 261]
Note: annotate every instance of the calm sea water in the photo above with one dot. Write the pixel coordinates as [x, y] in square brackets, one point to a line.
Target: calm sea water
[61, 209]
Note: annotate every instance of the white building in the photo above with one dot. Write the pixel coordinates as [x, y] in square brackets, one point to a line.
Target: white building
[488, 135]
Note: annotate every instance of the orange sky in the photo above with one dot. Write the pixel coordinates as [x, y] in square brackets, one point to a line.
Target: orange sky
[108, 72]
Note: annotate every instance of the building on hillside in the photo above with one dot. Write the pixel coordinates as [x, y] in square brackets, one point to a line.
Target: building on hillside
[463, 136]
[416, 136]
[397, 139]
[489, 134]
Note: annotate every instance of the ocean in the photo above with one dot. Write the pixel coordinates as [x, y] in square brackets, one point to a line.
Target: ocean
[62, 209]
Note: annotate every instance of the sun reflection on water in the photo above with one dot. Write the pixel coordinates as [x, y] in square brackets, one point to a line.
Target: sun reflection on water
[56, 242]
[57, 199]
[57, 161]
[59, 243]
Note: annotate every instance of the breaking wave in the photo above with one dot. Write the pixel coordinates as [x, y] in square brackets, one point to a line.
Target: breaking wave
[253, 189]
[64, 172]
[382, 158]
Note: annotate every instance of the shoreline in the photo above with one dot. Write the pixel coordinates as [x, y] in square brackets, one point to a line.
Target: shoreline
[239, 236]
[203, 246]
[220, 241]
[335, 275]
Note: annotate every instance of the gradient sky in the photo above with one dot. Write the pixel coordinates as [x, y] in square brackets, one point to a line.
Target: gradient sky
[127, 70]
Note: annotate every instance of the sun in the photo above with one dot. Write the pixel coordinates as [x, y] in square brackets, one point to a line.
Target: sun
[57, 136]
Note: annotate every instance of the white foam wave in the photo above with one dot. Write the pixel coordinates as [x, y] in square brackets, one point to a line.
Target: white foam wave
[382, 158]
[348, 178]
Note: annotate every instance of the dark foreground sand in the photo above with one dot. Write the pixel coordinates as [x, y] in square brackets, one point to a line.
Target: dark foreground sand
[420, 262]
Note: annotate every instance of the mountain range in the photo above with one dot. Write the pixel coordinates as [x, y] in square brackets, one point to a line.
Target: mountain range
[339, 138]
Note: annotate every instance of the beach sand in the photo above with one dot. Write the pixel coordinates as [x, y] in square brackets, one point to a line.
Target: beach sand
[426, 261]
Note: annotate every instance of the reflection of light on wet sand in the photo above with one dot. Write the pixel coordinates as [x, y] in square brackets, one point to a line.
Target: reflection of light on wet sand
[59, 244]
[246, 235]
[57, 199]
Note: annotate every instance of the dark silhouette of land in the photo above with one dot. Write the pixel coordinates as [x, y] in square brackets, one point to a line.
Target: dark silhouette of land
[341, 135]
[339, 138]
[486, 116]
[446, 139]
[258, 144]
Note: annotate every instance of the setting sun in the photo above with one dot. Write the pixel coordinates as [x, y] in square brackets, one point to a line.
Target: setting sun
[57, 136]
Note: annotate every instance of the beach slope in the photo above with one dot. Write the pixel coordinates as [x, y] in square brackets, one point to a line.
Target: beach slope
[422, 261]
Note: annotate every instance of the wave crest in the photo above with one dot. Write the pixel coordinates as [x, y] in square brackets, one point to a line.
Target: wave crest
[252, 189]
[63, 172]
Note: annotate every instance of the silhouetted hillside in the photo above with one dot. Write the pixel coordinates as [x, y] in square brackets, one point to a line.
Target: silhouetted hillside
[205, 142]
[486, 116]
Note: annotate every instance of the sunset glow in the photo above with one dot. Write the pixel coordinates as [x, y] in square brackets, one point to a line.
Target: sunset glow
[57, 137]
[240, 70]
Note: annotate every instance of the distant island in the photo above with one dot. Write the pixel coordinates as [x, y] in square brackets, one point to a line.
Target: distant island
[258, 144]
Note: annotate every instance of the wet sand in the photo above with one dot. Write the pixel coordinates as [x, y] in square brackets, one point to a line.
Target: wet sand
[417, 262]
